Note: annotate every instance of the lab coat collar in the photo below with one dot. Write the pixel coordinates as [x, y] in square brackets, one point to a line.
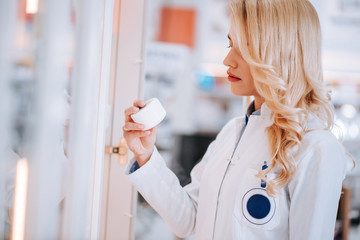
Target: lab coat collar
[265, 118]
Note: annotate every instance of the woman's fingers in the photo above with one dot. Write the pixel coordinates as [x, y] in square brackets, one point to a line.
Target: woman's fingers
[131, 126]
[129, 111]
[153, 130]
[134, 109]
[141, 142]
[139, 103]
[136, 134]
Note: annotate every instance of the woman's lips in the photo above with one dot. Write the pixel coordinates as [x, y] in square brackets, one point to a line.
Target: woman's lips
[233, 78]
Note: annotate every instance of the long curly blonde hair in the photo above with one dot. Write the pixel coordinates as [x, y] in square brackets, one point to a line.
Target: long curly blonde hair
[281, 41]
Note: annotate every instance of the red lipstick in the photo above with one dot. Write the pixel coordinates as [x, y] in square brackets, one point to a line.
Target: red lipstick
[232, 77]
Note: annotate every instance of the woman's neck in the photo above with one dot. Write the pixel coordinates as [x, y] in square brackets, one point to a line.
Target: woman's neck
[258, 102]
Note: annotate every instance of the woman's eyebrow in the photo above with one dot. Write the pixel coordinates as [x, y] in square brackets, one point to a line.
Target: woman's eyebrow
[229, 37]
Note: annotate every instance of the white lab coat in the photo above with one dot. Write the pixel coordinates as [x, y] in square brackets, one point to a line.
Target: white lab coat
[214, 205]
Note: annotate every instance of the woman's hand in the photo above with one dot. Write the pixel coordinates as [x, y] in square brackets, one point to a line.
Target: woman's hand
[140, 142]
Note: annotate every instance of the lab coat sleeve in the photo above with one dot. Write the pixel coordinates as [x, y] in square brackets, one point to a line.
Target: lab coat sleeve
[160, 187]
[315, 189]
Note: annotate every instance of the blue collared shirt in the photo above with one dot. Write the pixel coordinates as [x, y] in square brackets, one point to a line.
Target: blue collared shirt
[251, 111]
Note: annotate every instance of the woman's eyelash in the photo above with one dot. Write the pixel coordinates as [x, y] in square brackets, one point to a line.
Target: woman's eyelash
[229, 46]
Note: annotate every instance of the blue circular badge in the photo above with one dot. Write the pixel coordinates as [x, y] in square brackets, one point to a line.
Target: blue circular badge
[257, 207]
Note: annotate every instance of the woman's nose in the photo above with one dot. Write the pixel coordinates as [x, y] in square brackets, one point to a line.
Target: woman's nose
[227, 60]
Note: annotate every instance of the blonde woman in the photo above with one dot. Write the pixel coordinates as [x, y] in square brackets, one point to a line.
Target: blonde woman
[275, 173]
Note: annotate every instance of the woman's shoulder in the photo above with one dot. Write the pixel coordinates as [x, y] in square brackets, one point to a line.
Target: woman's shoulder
[316, 132]
[322, 148]
[319, 137]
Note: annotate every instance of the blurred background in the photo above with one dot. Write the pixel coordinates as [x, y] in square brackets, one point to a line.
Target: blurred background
[69, 69]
